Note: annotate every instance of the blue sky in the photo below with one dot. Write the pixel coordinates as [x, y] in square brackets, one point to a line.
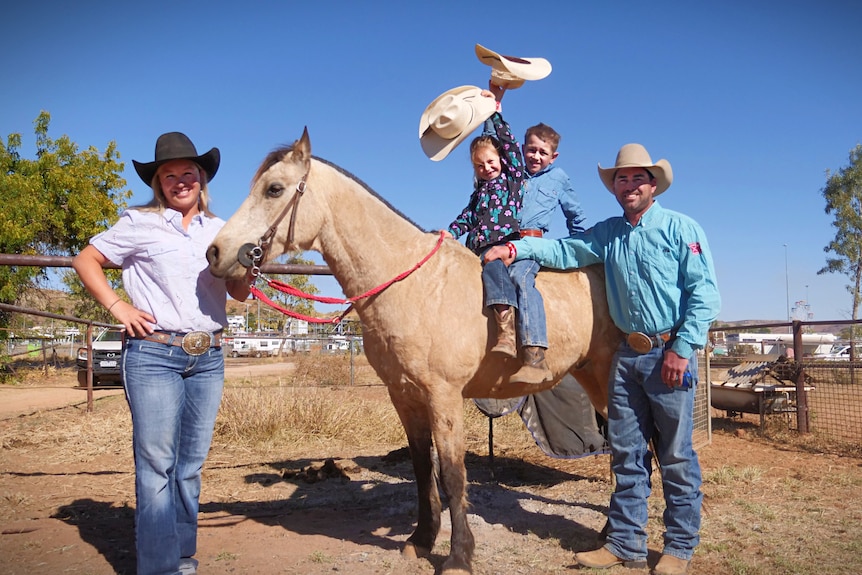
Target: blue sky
[751, 102]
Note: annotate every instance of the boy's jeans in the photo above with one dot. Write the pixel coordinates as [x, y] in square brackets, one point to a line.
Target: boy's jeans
[174, 399]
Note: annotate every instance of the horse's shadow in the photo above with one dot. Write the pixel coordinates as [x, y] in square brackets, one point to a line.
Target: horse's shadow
[378, 513]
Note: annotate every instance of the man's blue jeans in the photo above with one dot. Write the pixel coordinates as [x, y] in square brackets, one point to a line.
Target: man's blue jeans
[499, 288]
[531, 324]
[641, 407]
[174, 399]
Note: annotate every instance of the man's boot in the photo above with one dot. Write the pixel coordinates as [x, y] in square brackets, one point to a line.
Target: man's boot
[506, 342]
[534, 371]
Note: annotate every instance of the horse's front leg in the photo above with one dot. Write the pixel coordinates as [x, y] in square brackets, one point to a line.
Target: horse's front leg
[415, 417]
[447, 423]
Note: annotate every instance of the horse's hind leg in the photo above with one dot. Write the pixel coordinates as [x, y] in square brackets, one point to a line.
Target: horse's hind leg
[447, 421]
[415, 417]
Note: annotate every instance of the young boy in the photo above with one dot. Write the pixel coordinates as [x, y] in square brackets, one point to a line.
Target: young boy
[546, 186]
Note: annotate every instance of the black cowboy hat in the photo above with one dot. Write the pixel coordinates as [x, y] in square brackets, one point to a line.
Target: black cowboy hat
[177, 146]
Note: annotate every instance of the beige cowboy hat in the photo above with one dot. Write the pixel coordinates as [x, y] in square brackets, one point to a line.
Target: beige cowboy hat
[636, 156]
[451, 117]
[511, 71]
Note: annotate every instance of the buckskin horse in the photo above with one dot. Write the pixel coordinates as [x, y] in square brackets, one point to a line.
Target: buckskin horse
[427, 336]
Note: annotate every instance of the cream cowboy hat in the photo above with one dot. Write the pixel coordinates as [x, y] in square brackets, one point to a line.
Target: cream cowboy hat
[451, 117]
[177, 146]
[511, 71]
[636, 156]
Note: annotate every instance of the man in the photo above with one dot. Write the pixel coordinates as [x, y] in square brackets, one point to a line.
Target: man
[662, 293]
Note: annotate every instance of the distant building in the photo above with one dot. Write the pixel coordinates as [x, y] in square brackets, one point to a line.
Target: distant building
[295, 326]
[236, 322]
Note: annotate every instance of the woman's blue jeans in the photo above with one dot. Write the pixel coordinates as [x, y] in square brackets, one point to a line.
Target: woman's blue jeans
[532, 325]
[641, 407]
[174, 399]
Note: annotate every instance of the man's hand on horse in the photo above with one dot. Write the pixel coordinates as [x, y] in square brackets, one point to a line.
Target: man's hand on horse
[500, 253]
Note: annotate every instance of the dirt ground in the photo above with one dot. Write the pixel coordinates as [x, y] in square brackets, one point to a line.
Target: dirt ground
[67, 506]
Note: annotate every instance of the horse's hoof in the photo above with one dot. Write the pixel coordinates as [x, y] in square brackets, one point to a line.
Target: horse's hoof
[456, 571]
[411, 551]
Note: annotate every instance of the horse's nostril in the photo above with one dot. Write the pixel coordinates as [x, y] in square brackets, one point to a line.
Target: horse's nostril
[212, 254]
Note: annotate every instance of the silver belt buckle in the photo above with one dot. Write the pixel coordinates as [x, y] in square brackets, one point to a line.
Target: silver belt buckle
[640, 342]
[196, 342]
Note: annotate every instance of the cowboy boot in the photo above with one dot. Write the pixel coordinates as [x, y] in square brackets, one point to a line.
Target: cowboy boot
[534, 371]
[505, 332]
[670, 565]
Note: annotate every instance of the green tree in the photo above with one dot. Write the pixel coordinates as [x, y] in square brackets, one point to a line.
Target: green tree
[843, 194]
[53, 204]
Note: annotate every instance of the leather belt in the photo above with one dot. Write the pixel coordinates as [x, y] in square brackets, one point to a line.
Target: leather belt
[531, 233]
[193, 342]
[643, 343]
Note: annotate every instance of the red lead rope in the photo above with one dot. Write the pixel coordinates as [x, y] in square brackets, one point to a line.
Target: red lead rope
[290, 290]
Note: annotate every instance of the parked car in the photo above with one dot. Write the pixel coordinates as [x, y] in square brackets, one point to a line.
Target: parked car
[838, 353]
[107, 357]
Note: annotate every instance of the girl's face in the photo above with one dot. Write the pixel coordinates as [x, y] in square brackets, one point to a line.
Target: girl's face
[486, 162]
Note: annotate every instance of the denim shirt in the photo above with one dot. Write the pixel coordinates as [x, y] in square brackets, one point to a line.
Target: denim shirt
[165, 270]
[658, 274]
[543, 192]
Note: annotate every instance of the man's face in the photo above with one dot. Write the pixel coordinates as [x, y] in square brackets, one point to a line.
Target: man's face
[634, 189]
[538, 154]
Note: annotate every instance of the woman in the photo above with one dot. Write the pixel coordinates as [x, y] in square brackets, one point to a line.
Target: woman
[173, 364]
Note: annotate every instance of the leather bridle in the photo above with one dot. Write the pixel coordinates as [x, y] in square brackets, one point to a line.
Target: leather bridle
[253, 256]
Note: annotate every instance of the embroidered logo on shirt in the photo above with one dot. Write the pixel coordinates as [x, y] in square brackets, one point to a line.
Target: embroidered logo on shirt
[695, 248]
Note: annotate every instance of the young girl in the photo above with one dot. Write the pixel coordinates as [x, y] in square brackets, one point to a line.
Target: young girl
[491, 218]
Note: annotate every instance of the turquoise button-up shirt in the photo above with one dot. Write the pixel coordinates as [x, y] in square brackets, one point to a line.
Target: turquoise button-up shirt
[659, 274]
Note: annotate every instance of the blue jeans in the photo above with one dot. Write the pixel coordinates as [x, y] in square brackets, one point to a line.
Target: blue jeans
[499, 288]
[174, 399]
[532, 326]
[641, 407]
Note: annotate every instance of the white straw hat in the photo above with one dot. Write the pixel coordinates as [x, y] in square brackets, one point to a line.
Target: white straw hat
[520, 68]
[636, 156]
[451, 117]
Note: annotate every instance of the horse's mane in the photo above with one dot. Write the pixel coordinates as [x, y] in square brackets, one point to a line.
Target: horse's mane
[279, 153]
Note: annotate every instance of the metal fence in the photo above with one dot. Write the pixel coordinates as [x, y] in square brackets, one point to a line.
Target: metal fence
[789, 388]
[835, 399]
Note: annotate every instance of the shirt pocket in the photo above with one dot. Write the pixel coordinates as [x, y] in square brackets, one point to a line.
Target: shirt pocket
[165, 259]
[545, 198]
[661, 263]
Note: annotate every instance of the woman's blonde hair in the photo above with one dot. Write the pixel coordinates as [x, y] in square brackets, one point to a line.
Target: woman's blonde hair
[160, 202]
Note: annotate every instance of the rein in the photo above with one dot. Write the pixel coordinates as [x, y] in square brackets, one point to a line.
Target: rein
[290, 290]
[252, 256]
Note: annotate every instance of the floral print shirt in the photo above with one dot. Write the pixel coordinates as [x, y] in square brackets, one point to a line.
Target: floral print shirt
[491, 216]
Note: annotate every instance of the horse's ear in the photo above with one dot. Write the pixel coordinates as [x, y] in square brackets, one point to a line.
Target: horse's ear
[302, 147]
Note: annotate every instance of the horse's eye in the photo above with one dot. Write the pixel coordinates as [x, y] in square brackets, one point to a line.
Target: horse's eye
[275, 190]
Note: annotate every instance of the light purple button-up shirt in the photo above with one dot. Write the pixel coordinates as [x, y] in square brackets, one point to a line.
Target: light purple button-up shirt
[165, 270]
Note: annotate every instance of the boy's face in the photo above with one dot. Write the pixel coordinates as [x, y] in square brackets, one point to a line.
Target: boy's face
[538, 154]
[486, 162]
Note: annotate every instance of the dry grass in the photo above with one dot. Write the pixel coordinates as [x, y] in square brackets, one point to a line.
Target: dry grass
[77, 439]
[267, 415]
